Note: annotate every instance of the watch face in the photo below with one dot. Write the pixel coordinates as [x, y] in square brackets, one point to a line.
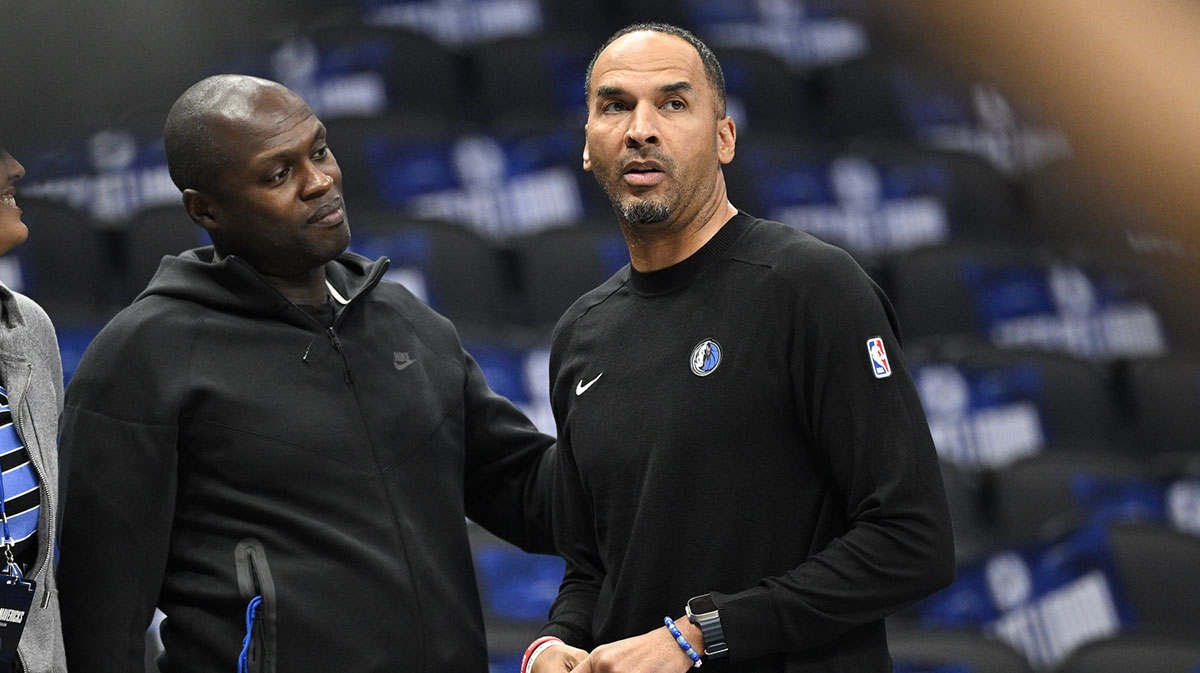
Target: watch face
[701, 604]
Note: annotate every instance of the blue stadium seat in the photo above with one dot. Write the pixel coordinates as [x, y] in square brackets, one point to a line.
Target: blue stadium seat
[498, 184]
[801, 34]
[109, 173]
[450, 267]
[457, 23]
[894, 98]
[1012, 296]
[346, 69]
[873, 199]
[989, 406]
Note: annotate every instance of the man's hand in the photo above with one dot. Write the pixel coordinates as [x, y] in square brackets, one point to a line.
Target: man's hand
[560, 658]
[653, 652]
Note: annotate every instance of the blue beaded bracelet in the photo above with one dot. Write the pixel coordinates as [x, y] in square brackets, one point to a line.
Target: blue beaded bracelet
[683, 643]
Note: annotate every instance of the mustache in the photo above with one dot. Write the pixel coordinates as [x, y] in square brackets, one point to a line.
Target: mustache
[646, 154]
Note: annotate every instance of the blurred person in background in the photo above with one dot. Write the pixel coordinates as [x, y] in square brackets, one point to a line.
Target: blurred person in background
[31, 400]
[276, 446]
[741, 445]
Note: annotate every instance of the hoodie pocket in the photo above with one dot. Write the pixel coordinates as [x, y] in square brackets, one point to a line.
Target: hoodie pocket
[258, 593]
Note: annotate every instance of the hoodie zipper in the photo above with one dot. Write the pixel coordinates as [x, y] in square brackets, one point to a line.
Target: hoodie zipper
[254, 582]
[337, 345]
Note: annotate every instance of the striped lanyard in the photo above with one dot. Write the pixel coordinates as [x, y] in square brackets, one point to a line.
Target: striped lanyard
[11, 568]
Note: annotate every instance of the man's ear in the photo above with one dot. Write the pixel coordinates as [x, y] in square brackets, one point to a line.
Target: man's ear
[587, 159]
[200, 208]
[726, 140]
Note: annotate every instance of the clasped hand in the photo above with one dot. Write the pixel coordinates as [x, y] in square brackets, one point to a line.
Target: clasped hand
[653, 652]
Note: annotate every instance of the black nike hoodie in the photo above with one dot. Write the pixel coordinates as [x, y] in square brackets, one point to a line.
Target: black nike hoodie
[220, 444]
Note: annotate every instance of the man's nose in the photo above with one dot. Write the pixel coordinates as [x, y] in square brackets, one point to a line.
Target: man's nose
[318, 181]
[643, 127]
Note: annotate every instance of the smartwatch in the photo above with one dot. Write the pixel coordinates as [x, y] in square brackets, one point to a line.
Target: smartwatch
[702, 611]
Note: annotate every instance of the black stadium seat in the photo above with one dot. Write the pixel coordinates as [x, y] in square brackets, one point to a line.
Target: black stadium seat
[452, 268]
[67, 262]
[932, 648]
[1164, 394]
[1040, 497]
[557, 266]
[1159, 570]
[152, 234]
[1140, 652]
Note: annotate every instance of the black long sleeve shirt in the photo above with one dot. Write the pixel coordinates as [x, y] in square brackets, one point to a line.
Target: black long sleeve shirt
[789, 480]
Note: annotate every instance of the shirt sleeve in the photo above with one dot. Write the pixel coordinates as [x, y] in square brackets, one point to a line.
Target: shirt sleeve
[511, 468]
[571, 613]
[872, 439]
[118, 452]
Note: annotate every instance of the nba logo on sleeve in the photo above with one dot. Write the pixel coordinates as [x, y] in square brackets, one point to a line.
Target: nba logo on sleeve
[879, 359]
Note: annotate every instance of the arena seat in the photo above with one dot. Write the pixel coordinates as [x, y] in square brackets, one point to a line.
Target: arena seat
[872, 198]
[1015, 296]
[1141, 652]
[531, 82]
[452, 268]
[1159, 571]
[959, 650]
[898, 98]
[67, 263]
[1044, 496]
[557, 266]
[343, 68]
[1164, 395]
[988, 406]
[772, 96]
[153, 233]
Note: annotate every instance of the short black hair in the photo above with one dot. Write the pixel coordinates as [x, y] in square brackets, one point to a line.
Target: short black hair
[712, 67]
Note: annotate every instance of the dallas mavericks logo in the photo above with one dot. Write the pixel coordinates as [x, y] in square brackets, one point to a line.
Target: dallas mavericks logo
[705, 357]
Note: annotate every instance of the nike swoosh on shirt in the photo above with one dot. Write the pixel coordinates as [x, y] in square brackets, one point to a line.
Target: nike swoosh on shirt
[581, 387]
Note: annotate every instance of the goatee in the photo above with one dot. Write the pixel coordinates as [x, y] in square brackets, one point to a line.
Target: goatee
[644, 212]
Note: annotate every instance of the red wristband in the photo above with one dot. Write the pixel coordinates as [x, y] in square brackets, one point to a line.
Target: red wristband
[533, 646]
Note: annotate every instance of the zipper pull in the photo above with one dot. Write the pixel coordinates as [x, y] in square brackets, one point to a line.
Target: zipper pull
[337, 345]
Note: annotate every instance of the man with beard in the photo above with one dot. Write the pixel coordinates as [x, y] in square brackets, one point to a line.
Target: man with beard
[244, 453]
[746, 473]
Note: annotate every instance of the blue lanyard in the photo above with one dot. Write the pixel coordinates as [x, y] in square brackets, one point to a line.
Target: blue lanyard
[11, 567]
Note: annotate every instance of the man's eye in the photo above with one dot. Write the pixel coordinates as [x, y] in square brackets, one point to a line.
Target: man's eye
[279, 175]
[674, 105]
[321, 153]
[614, 106]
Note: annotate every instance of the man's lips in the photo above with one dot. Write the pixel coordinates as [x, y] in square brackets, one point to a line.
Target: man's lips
[9, 198]
[643, 173]
[329, 213]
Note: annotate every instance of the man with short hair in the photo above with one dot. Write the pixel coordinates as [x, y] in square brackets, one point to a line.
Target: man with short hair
[244, 452]
[747, 477]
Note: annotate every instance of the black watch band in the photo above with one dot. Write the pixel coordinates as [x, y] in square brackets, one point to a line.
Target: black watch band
[702, 611]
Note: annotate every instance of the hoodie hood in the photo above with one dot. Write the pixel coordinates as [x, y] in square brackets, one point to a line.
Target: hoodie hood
[232, 284]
